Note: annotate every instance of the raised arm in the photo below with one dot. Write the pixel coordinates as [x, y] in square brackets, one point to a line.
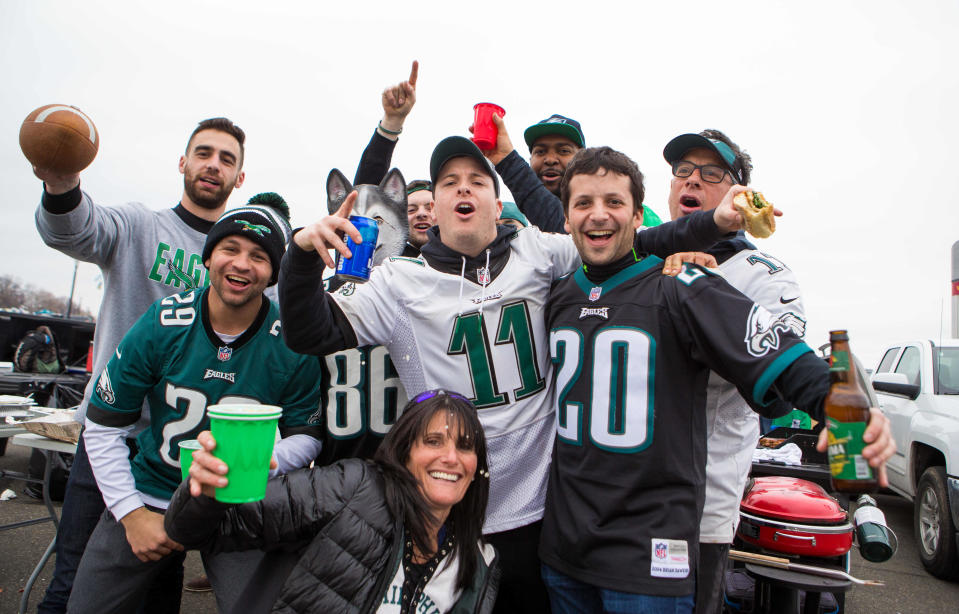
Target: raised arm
[398, 101]
[312, 323]
[537, 203]
[294, 510]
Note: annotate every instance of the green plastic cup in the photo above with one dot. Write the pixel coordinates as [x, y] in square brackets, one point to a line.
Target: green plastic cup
[187, 447]
[244, 441]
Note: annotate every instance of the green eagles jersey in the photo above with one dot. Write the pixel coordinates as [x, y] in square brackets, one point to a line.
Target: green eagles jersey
[172, 359]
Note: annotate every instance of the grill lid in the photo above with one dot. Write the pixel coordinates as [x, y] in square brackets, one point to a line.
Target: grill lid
[791, 499]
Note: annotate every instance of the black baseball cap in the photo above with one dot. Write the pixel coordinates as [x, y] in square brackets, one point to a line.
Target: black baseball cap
[677, 148]
[455, 147]
[558, 125]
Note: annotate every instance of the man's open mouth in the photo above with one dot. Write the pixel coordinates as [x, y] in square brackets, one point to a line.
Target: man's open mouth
[465, 208]
[690, 202]
[238, 281]
[599, 235]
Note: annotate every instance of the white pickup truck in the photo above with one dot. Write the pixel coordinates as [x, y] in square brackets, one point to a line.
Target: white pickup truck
[917, 385]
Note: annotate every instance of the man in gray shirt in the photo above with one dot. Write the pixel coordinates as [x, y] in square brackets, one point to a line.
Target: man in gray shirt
[144, 255]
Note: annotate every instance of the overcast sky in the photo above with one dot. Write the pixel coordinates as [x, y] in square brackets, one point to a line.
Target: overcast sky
[848, 109]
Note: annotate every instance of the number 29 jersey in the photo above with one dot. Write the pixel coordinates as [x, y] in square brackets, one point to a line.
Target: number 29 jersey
[631, 358]
[172, 359]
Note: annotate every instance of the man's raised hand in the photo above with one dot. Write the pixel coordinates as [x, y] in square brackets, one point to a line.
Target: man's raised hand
[398, 101]
[327, 233]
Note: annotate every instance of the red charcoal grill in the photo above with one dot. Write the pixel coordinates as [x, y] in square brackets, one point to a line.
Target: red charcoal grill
[796, 519]
[793, 516]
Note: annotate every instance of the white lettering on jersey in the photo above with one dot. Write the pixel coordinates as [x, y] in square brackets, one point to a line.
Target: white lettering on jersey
[599, 312]
[229, 377]
[491, 297]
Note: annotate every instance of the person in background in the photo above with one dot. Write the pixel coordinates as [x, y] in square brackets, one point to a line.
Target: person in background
[419, 210]
[512, 215]
[705, 166]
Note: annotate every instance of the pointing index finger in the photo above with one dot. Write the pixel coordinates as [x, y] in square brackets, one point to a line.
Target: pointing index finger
[346, 209]
[414, 73]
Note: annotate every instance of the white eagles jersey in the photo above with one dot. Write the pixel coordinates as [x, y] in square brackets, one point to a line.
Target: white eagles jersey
[732, 428]
[487, 343]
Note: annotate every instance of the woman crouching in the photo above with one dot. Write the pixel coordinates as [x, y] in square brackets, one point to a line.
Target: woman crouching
[399, 534]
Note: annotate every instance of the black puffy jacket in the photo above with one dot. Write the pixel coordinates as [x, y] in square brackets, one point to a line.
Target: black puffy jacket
[333, 542]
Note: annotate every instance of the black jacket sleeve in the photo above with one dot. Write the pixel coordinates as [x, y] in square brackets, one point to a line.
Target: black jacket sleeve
[375, 161]
[541, 206]
[696, 232]
[296, 507]
[805, 383]
[312, 321]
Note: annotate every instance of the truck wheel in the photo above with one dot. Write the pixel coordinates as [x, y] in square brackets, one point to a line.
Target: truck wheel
[935, 533]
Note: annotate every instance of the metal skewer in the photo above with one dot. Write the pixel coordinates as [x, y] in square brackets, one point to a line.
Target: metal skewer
[781, 563]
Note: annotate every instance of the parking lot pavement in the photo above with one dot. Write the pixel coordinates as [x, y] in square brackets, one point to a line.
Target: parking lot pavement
[909, 588]
[20, 549]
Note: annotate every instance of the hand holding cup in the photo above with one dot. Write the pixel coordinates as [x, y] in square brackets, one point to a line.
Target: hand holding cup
[207, 472]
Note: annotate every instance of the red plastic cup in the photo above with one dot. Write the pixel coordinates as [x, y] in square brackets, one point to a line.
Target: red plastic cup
[484, 130]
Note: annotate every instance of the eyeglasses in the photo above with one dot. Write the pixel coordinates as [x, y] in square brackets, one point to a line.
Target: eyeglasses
[710, 173]
[429, 394]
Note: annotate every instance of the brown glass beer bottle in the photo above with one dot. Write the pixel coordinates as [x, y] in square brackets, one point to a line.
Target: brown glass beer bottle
[847, 414]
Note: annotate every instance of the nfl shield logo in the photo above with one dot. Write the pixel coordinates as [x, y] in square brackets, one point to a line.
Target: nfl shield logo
[482, 276]
[660, 551]
[594, 294]
[224, 353]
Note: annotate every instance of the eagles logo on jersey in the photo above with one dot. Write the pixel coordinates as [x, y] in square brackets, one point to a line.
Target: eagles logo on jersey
[105, 389]
[763, 329]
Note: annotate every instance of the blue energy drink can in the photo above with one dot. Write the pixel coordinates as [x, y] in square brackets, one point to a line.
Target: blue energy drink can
[358, 267]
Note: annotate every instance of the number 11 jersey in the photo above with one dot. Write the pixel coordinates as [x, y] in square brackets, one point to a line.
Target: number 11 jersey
[446, 330]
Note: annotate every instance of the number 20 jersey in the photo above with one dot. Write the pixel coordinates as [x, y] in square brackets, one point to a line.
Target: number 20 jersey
[632, 357]
[172, 358]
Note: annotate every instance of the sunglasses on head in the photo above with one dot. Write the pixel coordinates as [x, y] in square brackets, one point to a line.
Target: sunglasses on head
[429, 394]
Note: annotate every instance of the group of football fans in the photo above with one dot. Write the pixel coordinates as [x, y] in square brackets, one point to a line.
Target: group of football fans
[618, 365]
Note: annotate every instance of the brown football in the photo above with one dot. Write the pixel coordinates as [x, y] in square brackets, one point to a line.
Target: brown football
[59, 138]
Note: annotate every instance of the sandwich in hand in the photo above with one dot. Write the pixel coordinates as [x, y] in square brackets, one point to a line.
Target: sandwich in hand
[757, 213]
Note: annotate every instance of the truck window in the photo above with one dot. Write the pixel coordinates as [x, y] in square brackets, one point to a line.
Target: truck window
[909, 365]
[948, 370]
[885, 365]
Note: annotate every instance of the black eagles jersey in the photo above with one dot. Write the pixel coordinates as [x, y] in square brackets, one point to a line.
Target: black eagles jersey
[632, 356]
